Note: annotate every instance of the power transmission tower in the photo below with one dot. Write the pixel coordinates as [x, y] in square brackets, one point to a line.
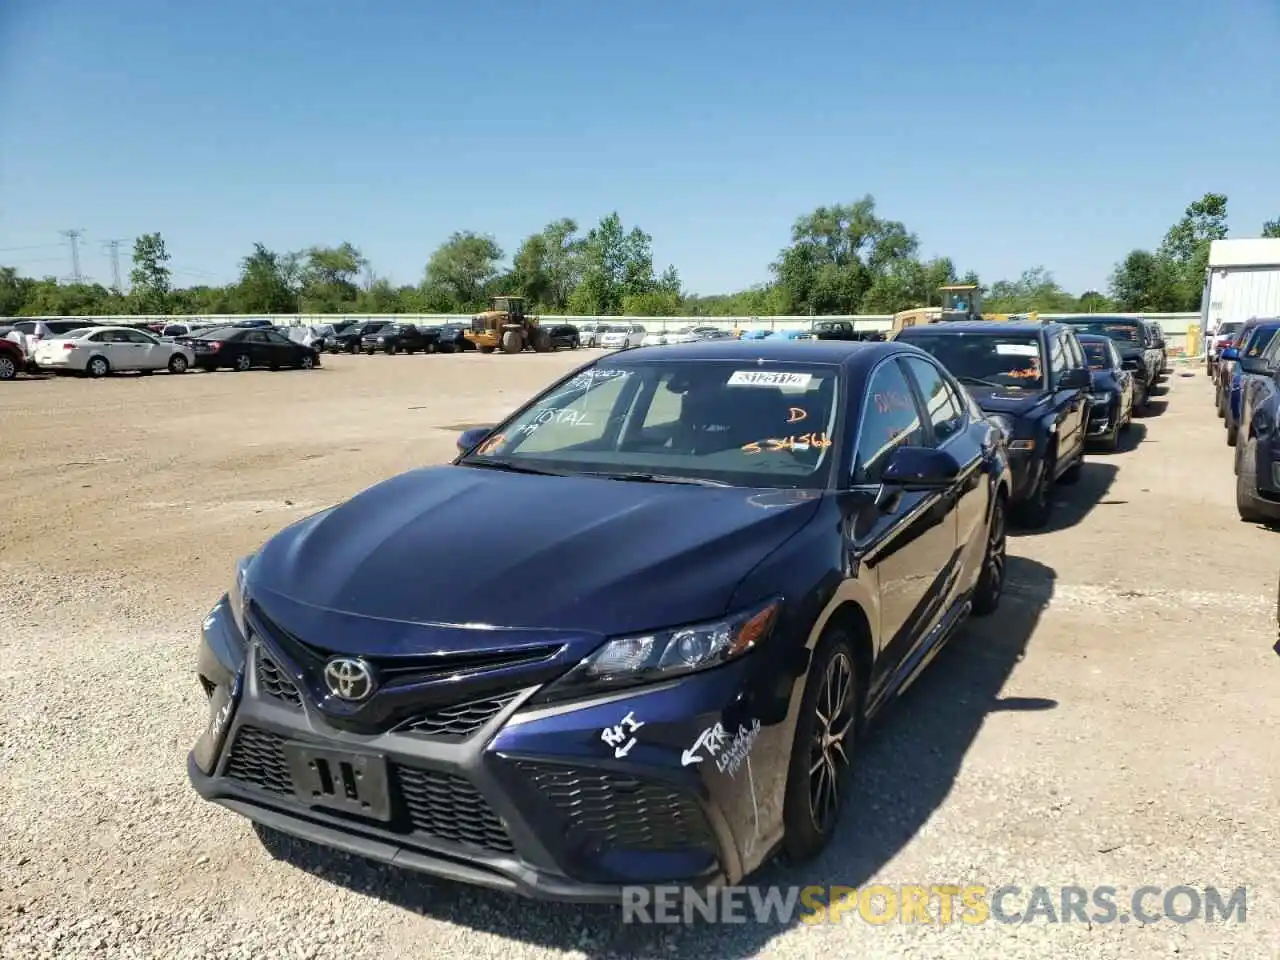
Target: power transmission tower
[113, 248]
[73, 237]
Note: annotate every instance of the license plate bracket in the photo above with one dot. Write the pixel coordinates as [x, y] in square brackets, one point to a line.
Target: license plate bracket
[344, 780]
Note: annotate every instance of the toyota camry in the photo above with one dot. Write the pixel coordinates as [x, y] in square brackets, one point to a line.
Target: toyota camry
[754, 547]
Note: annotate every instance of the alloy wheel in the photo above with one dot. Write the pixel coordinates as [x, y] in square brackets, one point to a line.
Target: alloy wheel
[8, 369]
[829, 751]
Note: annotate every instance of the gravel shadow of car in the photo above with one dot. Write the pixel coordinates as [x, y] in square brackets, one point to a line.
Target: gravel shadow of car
[1154, 408]
[904, 772]
[1128, 441]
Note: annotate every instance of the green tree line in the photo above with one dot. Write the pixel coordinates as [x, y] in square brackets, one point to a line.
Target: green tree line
[842, 259]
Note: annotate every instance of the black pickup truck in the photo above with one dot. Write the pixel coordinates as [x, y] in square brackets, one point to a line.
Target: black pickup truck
[1134, 342]
[396, 338]
[1031, 378]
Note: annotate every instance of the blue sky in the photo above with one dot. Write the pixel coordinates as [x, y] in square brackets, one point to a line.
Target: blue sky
[1006, 135]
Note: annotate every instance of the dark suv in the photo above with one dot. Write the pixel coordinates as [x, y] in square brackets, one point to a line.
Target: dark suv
[1136, 344]
[350, 338]
[393, 338]
[1031, 378]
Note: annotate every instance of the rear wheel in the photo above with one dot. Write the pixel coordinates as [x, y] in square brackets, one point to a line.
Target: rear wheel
[8, 367]
[177, 363]
[1245, 484]
[307, 362]
[242, 363]
[821, 758]
[512, 341]
[1233, 434]
[97, 367]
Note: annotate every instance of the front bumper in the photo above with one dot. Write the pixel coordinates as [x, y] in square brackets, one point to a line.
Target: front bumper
[526, 800]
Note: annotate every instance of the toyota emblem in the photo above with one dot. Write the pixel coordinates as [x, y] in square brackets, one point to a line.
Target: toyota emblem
[348, 679]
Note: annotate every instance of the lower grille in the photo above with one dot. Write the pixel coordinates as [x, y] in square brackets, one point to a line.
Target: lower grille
[273, 681]
[256, 759]
[440, 805]
[447, 807]
[456, 722]
[612, 810]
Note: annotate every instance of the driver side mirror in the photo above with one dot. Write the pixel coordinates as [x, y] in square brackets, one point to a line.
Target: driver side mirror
[1231, 353]
[471, 438]
[1075, 379]
[920, 468]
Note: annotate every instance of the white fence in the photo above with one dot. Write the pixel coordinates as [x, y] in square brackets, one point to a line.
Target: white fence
[1174, 324]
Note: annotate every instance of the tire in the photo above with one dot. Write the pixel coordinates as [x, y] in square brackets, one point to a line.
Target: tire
[8, 367]
[97, 367]
[178, 363]
[1245, 484]
[542, 342]
[512, 341]
[986, 595]
[352, 349]
[1233, 434]
[485, 349]
[242, 363]
[392, 350]
[308, 362]
[1221, 407]
[1034, 512]
[811, 814]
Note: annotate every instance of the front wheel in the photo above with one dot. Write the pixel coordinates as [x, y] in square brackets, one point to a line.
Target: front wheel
[308, 362]
[1034, 511]
[1245, 485]
[986, 596]
[8, 367]
[818, 775]
[177, 363]
[243, 363]
[1233, 434]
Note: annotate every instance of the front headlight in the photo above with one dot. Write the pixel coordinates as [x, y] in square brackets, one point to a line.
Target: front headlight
[663, 654]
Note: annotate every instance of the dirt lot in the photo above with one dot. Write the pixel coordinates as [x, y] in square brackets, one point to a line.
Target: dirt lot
[1114, 724]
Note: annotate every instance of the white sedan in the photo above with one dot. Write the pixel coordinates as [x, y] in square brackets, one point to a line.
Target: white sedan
[98, 351]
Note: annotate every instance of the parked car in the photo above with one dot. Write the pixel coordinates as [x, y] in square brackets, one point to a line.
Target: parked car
[1137, 348]
[1257, 461]
[33, 331]
[393, 338]
[1111, 396]
[316, 336]
[453, 338]
[1216, 341]
[589, 333]
[99, 351]
[1227, 358]
[564, 335]
[254, 323]
[1242, 363]
[570, 718]
[842, 330]
[13, 359]
[1033, 380]
[243, 348]
[1156, 336]
[789, 335]
[349, 339]
[621, 336]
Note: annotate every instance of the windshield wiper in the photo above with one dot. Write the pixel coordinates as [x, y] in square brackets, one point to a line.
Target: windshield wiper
[654, 478]
[511, 467]
[979, 381]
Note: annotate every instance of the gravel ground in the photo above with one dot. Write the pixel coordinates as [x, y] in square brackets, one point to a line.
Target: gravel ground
[1113, 724]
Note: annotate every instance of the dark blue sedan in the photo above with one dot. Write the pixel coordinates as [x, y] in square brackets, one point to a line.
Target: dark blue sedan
[629, 636]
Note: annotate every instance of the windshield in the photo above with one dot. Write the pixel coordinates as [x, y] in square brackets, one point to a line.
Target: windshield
[1113, 330]
[615, 329]
[991, 359]
[750, 425]
[1097, 354]
[1227, 329]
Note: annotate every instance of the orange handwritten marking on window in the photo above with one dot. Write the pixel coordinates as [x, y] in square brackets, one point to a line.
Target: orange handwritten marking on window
[795, 414]
[492, 444]
[778, 444]
[1032, 373]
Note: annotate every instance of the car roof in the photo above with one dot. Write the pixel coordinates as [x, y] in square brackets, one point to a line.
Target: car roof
[981, 326]
[854, 355]
[1093, 338]
[1102, 318]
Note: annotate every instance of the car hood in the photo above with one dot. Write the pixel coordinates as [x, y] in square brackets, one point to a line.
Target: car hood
[1008, 400]
[467, 546]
